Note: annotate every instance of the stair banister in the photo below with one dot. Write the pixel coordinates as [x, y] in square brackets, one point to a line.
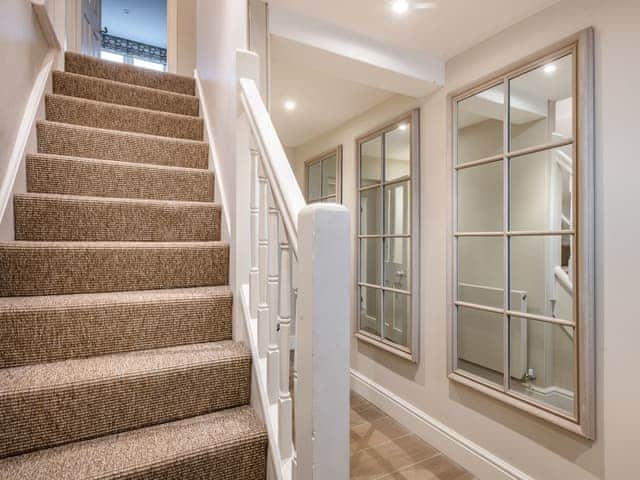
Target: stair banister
[300, 271]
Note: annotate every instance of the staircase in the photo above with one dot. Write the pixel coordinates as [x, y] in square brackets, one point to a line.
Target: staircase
[116, 351]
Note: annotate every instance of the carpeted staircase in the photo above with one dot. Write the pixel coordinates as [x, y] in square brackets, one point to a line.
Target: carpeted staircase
[116, 358]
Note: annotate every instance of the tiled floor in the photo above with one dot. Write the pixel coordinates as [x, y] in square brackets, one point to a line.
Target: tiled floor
[381, 448]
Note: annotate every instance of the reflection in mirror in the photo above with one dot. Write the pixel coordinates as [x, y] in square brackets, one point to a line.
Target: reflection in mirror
[541, 186]
[329, 172]
[480, 125]
[314, 189]
[397, 146]
[371, 162]
[396, 317]
[370, 305]
[397, 209]
[541, 105]
[370, 268]
[480, 192]
[481, 271]
[481, 344]
[541, 266]
[371, 211]
[397, 263]
[548, 377]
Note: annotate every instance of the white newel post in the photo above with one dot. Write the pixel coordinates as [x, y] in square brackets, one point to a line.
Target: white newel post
[322, 335]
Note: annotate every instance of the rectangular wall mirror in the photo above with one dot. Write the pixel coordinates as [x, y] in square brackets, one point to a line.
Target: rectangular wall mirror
[522, 328]
[323, 177]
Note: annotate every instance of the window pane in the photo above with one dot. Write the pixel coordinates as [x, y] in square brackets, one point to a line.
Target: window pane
[371, 162]
[314, 173]
[481, 344]
[480, 192]
[397, 154]
[112, 57]
[397, 209]
[331, 199]
[480, 125]
[542, 357]
[481, 270]
[397, 263]
[329, 176]
[397, 315]
[159, 67]
[541, 185]
[370, 306]
[541, 269]
[541, 105]
[371, 211]
[370, 259]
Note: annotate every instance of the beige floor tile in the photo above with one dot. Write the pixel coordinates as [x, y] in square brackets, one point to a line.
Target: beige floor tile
[374, 433]
[366, 415]
[434, 468]
[358, 402]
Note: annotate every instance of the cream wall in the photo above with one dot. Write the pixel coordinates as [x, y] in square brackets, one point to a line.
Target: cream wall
[187, 37]
[542, 451]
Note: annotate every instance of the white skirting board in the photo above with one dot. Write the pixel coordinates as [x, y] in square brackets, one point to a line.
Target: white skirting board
[470, 455]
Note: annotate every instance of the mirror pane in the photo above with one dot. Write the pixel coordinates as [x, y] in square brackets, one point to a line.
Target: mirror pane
[481, 344]
[542, 271]
[329, 176]
[397, 209]
[541, 186]
[480, 192]
[542, 362]
[541, 105]
[481, 125]
[371, 211]
[397, 152]
[314, 189]
[370, 310]
[396, 322]
[370, 259]
[371, 162]
[397, 263]
[481, 270]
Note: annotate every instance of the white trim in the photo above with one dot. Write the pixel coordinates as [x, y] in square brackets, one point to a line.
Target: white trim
[470, 455]
[214, 161]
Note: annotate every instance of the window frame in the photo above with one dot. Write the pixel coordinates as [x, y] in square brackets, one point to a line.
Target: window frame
[410, 353]
[337, 151]
[581, 45]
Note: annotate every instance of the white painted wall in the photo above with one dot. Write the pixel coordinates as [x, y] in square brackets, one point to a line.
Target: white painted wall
[542, 451]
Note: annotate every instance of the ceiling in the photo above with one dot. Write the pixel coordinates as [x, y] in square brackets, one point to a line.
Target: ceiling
[146, 21]
[450, 28]
[323, 101]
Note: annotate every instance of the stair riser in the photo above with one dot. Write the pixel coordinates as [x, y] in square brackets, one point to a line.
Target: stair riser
[115, 117]
[34, 336]
[36, 270]
[42, 419]
[94, 67]
[61, 139]
[47, 219]
[90, 88]
[94, 178]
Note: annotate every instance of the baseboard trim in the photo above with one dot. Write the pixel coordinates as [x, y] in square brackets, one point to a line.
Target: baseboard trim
[470, 455]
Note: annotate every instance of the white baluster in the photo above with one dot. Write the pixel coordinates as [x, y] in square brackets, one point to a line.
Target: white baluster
[285, 405]
[273, 293]
[254, 272]
[263, 259]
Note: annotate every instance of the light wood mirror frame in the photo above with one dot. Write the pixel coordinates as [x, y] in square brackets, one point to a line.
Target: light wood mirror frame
[582, 423]
[337, 152]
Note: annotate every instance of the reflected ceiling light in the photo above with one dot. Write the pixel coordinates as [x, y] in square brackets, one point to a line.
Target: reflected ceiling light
[550, 68]
[402, 127]
[289, 105]
[400, 7]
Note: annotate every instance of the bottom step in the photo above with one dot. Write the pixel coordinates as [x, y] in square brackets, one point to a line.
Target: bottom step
[226, 445]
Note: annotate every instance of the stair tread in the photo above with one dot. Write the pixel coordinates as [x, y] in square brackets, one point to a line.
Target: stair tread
[111, 91]
[148, 449]
[22, 244]
[106, 368]
[124, 118]
[111, 200]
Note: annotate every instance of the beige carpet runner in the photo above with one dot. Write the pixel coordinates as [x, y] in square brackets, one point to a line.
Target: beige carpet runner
[116, 351]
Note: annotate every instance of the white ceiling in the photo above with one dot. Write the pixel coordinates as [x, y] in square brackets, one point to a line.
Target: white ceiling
[450, 28]
[323, 101]
[146, 21]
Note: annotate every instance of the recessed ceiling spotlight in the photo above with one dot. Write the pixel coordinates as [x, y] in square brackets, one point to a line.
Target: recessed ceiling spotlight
[289, 105]
[400, 7]
[402, 127]
[550, 68]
